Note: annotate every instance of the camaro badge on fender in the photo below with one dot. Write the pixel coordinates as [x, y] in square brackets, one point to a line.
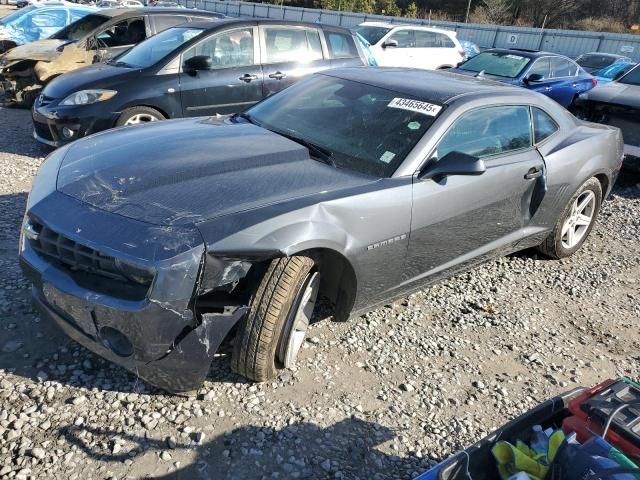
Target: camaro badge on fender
[387, 242]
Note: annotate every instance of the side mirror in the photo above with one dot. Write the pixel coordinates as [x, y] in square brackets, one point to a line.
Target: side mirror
[533, 78]
[453, 163]
[197, 63]
[390, 44]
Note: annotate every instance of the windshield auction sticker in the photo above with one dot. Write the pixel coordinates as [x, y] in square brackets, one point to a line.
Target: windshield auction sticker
[415, 106]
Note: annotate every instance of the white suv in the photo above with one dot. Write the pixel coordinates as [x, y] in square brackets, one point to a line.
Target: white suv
[395, 45]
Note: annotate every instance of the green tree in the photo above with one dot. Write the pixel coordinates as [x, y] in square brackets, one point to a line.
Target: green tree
[389, 8]
[363, 6]
[411, 11]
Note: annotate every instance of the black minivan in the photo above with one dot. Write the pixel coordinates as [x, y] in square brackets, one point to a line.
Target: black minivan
[190, 70]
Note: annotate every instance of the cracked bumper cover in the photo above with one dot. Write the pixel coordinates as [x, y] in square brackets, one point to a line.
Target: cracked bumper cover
[171, 348]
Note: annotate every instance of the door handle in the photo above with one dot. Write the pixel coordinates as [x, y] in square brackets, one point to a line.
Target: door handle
[278, 75]
[534, 172]
[248, 77]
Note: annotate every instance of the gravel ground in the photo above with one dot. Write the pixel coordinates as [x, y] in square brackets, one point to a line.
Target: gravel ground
[383, 396]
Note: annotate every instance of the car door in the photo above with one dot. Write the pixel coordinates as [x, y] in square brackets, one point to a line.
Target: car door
[460, 220]
[235, 80]
[434, 50]
[398, 49]
[565, 85]
[289, 53]
[118, 37]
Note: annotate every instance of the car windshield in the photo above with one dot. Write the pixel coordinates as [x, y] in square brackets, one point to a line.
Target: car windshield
[355, 126]
[594, 61]
[631, 78]
[80, 28]
[157, 47]
[9, 19]
[500, 64]
[371, 34]
[612, 70]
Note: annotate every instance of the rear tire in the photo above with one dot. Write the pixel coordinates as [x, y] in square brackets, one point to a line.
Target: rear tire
[264, 333]
[138, 116]
[575, 223]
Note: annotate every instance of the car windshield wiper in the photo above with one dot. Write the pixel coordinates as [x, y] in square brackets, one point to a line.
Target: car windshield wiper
[317, 151]
[321, 153]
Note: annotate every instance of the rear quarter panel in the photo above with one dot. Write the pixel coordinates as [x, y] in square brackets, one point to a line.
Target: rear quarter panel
[572, 157]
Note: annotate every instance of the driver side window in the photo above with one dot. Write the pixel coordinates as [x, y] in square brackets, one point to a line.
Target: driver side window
[228, 49]
[488, 131]
[127, 32]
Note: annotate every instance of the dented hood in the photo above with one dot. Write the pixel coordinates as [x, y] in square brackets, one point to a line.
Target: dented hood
[40, 50]
[181, 172]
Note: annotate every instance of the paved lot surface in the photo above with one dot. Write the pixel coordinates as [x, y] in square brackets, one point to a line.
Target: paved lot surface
[383, 396]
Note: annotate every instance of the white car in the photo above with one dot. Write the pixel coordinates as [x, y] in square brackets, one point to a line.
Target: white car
[395, 45]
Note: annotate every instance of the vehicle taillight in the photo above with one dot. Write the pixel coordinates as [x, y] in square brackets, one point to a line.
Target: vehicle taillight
[461, 52]
[595, 81]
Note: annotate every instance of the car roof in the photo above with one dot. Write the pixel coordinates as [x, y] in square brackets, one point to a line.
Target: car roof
[603, 54]
[115, 12]
[253, 21]
[431, 85]
[412, 25]
[523, 52]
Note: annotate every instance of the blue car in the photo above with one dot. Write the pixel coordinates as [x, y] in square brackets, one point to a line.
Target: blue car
[612, 72]
[35, 22]
[554, 75]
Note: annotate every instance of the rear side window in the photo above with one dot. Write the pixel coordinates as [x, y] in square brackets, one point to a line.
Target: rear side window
[426, 39]
[163, 22]
[341, 45]
[543, 125]
[289, 45]
[561, 67]
[488, 131]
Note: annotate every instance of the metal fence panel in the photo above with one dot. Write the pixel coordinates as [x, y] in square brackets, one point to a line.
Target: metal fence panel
[567, 42]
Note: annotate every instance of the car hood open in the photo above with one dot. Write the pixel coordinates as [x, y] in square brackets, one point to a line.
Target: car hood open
[181, 172]
[616, 93]
[40, 50]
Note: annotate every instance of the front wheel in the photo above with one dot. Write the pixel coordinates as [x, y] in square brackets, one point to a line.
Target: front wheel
[138, 115]
[274, 329]
[576, 222]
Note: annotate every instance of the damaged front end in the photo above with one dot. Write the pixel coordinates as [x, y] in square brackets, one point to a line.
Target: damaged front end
[26, 69]
[157, 304]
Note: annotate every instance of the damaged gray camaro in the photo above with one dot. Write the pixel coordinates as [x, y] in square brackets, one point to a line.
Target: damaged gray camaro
[152, 245]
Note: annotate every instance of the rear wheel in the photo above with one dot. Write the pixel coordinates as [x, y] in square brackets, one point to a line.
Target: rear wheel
[274, 329]
[576, 222]
[139, 115]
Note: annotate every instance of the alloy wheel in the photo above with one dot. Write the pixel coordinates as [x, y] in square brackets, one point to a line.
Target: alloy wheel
[295, 330]
[140, 118]
[577, 224]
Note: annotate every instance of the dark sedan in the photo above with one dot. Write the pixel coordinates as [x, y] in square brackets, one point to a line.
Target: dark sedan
[617, 103]
[192, 70]
[594, 61]
[150, 245]
[553, 75]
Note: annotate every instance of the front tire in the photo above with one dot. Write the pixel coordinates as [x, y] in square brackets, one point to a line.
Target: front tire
[138, 116]
[274, 329]
[576, 222]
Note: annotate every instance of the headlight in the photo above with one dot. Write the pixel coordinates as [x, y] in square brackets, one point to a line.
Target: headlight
[137, 273]
[87, 97]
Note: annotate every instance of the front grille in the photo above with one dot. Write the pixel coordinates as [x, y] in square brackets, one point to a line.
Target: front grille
[43, 130]
[89, 268]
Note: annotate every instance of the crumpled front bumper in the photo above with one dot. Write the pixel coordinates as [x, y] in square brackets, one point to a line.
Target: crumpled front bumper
[171, 347]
